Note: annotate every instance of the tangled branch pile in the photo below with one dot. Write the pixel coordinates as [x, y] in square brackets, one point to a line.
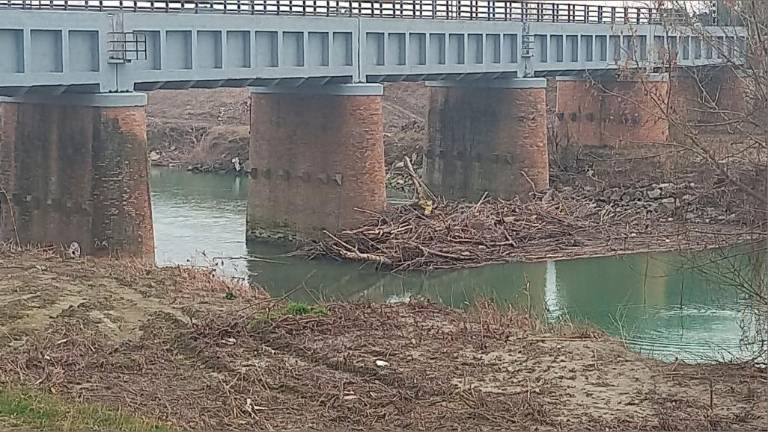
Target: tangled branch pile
[494, 231]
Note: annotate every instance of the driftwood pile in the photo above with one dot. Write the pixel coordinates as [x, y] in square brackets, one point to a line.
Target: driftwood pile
[490, 231]
[432, 233]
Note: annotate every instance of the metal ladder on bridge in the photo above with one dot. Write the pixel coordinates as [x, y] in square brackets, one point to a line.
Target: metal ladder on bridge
[527, 45]
[125, 47]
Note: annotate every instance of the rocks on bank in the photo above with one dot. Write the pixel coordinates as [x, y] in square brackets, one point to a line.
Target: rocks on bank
[678, 201]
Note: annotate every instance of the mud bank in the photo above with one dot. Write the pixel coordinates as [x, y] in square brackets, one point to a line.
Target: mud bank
[195, 353]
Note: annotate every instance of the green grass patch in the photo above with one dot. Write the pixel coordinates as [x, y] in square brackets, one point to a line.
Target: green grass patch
[39, 411]
[265, 320]
[300, 309]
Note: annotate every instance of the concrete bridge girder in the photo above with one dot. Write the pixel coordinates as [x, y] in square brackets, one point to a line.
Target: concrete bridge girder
[69, 51]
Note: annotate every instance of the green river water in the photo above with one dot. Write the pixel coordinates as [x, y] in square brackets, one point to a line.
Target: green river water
[668, 306]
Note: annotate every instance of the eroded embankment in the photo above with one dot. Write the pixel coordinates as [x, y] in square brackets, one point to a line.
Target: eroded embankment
[173, 346]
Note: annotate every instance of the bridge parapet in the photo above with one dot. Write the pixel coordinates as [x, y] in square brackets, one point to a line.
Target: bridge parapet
[56, 46]
[485, 10]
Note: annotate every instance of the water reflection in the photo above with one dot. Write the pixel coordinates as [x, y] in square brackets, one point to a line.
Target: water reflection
[199, 218]
[654, 302]
[666, 305]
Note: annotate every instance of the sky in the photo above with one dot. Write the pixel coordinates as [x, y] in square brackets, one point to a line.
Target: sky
[636, 3]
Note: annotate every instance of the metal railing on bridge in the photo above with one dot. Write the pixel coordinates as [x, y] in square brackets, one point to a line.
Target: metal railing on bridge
[490, 10]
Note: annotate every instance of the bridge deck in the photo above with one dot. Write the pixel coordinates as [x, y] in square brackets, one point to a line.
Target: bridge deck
[55, 46]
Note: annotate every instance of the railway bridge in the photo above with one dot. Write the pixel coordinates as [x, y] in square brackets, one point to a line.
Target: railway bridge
[73, 148]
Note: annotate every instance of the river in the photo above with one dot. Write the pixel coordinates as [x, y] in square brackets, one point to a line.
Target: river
[668, 306]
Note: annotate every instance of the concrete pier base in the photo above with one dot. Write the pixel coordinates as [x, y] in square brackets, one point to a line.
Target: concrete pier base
[317, 159]
[74, 168]
[487, 137]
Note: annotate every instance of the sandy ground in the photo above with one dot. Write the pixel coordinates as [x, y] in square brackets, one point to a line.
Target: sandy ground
[168, 344]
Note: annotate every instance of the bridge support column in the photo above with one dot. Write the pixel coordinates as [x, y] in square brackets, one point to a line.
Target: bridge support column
[74, 168]
[487, 137]
[609, 112]
[647, 108]
[317, 157]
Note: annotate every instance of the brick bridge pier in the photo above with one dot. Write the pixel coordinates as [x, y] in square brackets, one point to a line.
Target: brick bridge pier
[73, 168]
[637, 110]
[317, 159]
[487, 137]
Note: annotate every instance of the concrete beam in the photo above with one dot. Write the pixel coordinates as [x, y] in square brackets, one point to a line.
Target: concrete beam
[99, 100]
[54, 50]
[512, 83]
[650, 77]
[361, 89]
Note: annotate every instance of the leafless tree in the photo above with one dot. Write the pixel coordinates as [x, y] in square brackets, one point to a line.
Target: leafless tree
[732, 102]
[718, 123]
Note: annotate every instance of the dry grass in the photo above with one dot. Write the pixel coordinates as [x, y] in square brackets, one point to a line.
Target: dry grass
[167, 345]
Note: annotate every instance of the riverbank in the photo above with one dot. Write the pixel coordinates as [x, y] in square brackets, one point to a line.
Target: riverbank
[180, 348]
